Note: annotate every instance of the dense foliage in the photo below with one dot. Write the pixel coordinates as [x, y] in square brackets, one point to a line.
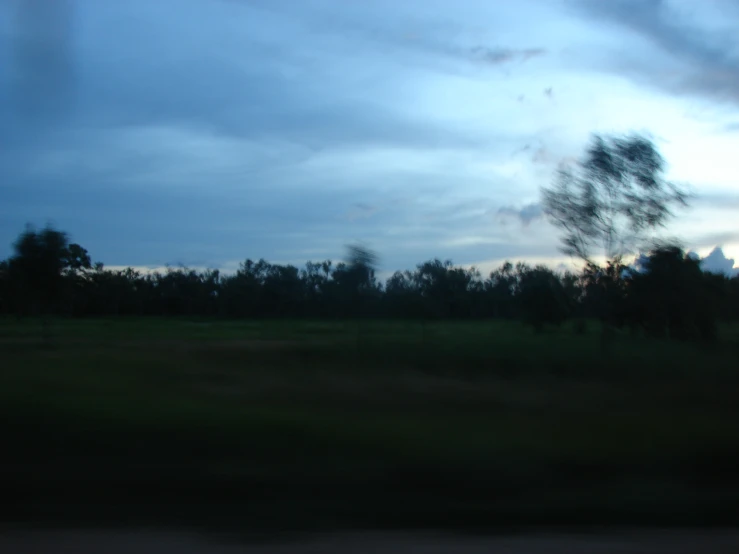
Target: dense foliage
[671, 296]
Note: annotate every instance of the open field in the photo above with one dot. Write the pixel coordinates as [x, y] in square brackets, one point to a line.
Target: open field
[262, 426]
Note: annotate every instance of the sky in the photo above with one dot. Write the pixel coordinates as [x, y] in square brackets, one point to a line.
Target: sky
[205, 132]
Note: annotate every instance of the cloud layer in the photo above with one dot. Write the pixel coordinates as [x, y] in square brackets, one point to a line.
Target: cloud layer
[717, 262]
[209, 131]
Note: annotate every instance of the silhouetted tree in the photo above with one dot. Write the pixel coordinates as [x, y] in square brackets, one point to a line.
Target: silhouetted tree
[542, 297]
[77, 264]
[604, 291]
[356, 278]
[76, 258]
[5, 287]
[673, 297]
[732, 304]
[41, 261]
[38, 266]
[500, 288]
[315, 278]
[612, 198]
[403, 297]
[670, 297]
[446, 289]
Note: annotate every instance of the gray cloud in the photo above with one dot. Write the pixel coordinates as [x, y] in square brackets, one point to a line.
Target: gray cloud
[707, 59]
[711, 239]
[231, 83]
[209, 131]
[150, 224]
[496, 56]
[537, 154]
[361, 210]
[41, 65]
[718, 200]
[717, 262]
[525, 214]
[408, 32]
[193, 142]
[142, 227]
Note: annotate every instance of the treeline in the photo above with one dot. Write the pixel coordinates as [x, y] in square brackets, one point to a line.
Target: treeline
[670, 296]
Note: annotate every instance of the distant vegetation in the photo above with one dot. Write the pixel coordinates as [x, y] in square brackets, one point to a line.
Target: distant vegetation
[672, 297]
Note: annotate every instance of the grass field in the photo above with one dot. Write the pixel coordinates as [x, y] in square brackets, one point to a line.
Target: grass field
[308, 425]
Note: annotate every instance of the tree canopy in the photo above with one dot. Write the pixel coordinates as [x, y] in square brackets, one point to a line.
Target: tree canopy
[612, 198]
[670, 297]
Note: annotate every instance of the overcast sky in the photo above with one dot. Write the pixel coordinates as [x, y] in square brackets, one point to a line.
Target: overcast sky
[204, 132]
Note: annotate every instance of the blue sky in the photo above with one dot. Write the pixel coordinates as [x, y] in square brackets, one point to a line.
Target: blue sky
[203, 132]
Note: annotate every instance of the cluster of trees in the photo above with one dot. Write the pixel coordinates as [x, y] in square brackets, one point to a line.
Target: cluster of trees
[611, 200]
[670, 296]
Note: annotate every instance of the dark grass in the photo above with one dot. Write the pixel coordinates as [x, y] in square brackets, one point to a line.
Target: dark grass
[314, 425]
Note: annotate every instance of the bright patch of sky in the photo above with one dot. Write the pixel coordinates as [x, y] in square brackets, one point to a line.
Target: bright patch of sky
[204, 132]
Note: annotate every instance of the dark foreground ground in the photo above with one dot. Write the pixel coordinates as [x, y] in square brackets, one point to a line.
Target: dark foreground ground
[143, 542]
[268, 428]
